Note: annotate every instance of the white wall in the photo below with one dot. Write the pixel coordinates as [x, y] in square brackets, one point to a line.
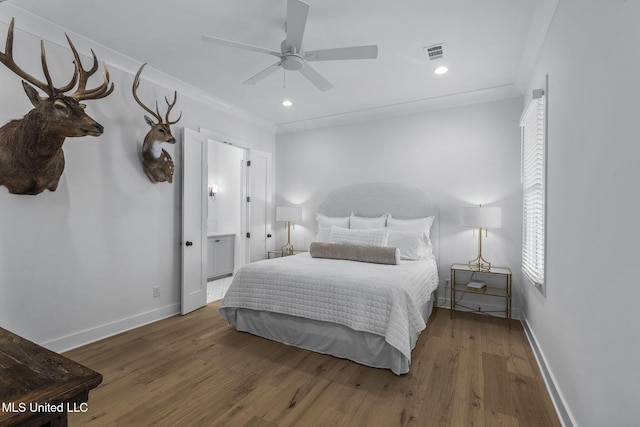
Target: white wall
[587, 324]
[80, 263]
[460, 157]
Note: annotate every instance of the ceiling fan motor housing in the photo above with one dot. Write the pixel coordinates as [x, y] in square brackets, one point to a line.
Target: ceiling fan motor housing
[292, 61]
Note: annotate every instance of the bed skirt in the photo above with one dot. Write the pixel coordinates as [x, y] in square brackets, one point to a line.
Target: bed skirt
[327, 338]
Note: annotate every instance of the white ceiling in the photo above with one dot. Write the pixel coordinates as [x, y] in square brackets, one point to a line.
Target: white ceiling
[484, 42]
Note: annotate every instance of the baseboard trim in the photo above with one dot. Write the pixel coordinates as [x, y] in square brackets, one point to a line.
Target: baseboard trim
[556, 397]
[88, 336]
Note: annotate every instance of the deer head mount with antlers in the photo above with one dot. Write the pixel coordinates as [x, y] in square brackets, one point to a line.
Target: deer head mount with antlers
[157, 163]
[31, 156]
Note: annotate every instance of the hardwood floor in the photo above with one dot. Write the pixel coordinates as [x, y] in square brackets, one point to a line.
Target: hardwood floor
[196, 370]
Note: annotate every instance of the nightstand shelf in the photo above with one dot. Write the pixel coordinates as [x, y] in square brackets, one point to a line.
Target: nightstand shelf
[461, 274]
[278, 253]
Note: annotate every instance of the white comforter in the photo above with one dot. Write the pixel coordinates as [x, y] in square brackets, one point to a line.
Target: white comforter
[385, 300]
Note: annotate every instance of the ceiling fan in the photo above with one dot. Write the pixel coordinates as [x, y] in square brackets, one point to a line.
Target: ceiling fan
[292, 56]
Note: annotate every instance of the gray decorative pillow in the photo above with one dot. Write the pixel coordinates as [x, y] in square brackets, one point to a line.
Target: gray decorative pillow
[373, 254]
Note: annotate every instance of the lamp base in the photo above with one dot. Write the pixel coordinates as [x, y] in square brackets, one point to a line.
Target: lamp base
[287, 249]
[479, 264]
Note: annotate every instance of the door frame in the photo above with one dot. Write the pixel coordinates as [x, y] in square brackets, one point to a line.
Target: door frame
[268, 200]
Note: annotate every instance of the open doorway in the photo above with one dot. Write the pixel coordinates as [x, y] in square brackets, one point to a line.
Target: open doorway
[226, 215]
[247, 229]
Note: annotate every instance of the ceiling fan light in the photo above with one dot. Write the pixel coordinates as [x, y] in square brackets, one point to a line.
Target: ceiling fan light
[441, 70]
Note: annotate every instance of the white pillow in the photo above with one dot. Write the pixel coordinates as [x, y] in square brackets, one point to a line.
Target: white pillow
[346, 236]
[415, 224]
[323, 235]
[361, 222]
[412, 244]
[327, 221]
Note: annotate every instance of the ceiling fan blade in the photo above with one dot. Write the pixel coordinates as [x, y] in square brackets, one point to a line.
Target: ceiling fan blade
[297, 12]
[225, 42]
[315, 78]
[264, 73]
[355, 52]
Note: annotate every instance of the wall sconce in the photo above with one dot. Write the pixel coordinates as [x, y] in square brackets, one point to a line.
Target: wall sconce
[213, 189]
[479, 217]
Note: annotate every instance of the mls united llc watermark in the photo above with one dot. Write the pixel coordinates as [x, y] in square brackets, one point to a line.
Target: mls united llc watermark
[20, 407]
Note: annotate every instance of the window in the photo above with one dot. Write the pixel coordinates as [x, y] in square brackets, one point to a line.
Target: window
[533, 140]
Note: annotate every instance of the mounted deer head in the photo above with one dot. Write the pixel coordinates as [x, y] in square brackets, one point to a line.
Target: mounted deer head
[158, 164]
[31, 156]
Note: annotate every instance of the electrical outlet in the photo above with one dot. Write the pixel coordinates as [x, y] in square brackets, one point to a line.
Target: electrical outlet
[156, 291]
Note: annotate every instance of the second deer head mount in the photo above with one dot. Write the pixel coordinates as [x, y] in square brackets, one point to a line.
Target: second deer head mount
[157, 163]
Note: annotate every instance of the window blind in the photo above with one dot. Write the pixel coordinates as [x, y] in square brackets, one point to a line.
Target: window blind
[533, 165]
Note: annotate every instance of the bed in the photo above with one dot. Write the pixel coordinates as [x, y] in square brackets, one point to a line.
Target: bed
[371, 313]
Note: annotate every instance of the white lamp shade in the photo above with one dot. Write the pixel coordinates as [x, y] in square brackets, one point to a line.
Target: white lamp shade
[289, 213]
[479, 217]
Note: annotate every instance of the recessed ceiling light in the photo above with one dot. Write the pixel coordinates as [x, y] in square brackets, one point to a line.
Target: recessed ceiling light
[287, 103]
[441, 70]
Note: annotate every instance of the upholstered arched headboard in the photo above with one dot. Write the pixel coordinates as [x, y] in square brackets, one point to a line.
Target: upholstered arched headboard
[370, 200]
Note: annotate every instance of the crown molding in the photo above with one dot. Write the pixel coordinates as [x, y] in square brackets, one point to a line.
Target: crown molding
[405, 108]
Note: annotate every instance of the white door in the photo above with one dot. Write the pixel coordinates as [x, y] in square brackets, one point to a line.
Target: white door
[261, 184]
[194, 221]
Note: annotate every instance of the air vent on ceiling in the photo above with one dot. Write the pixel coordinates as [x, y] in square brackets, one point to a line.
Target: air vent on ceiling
[434, 52]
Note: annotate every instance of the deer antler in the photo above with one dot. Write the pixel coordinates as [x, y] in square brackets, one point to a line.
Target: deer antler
[175, 98]
[7, 59]
[136, 83]
[80, 94]
[156, 114]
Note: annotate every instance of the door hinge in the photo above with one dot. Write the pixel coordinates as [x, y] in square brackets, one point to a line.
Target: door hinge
[248, 163]
[248, 235]
[248, 199]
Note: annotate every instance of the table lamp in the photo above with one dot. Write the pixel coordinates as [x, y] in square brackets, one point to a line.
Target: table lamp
[481, 218]
[288, 214]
